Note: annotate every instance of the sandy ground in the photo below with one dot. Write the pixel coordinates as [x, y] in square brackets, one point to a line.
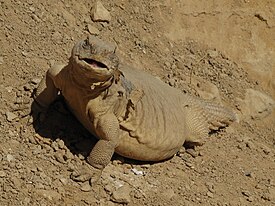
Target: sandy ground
[221, 50]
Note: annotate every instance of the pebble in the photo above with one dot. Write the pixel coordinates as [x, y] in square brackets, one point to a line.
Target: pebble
[169, 193]
[68, 155]
[35, 81]
[210, 187]
[2, 174]
[9, 89]
[109, 188]
[250, 174]
[92, 29]
[1, 60]
[172, 82]
[100, 13]
[16, 182]
[11, 116]
[192, 152]
[213, 53]
[190, 165]
[55, 146]
[61, 144]
[210, 194]
[59, 156]
[246, 193]
[64, 181]
[122, 195]
[86, 187]
[137, 172]
[10, 158]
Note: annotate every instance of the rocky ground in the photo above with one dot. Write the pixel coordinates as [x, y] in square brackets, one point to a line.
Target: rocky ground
[223, 51]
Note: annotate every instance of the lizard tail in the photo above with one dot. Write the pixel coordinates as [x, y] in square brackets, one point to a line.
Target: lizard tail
[218, 116]
[203, 117]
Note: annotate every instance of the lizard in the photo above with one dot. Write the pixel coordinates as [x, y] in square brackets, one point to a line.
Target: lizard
[130, 111]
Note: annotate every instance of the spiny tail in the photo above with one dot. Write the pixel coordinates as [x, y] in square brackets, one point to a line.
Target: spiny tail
[217, 116]
[203, 116]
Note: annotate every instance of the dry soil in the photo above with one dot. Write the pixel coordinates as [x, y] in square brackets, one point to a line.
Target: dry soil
[218, 50]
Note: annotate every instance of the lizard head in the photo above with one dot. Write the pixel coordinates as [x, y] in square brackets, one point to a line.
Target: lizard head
[96, 58]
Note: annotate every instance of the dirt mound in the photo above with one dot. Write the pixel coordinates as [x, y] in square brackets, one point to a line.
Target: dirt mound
[220, 51]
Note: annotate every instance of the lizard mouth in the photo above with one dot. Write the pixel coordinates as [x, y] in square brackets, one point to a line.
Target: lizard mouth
[94, 63]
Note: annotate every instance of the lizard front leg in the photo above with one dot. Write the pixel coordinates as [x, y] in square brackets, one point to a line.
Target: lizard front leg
[46, 92]
[107, 130]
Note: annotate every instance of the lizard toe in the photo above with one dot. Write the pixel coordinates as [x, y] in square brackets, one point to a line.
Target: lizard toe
[82, 175]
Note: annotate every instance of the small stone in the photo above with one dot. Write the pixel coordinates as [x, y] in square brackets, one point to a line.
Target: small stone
[188, 164]
[210, 187]
[2, 174]
[27, 200]
[122, 195]
[192, 152]
[59, 156]
[266, 150]
[10, 158]
[109, 188]
[10, 116]
[180, 65]
[51, 62]
[250, 199]
[92, 29]
[32, 9]
[169, 193]
[172, 82]
[81, 157]
[86, 187]
[210, 194]
[35, 18]
[167, 64]
[61, 144]
[24, 53]
[100, 13]
[145, 166]
[35, 81]
[27, 88]
[9, 89]
[68, 155]
[16, 182]
[1, 60]
[64, 181]
[246, 193]
[213, 53]
[249, 174]
[137, 172]
[54, 145]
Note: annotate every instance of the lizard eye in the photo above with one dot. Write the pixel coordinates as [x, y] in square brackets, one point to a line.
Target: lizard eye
[120, 93]
[85, 44]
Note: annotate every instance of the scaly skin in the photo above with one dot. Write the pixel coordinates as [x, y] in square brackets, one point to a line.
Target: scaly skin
[131, 112]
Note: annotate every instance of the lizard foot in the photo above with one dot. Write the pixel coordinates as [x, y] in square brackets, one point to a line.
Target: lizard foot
[38, 114]
[82, 175]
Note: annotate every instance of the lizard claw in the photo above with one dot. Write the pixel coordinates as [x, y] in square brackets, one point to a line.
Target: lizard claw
[82, 175]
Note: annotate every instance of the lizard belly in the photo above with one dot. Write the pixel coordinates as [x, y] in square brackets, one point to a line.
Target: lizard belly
[152, 136]
[156, 128]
